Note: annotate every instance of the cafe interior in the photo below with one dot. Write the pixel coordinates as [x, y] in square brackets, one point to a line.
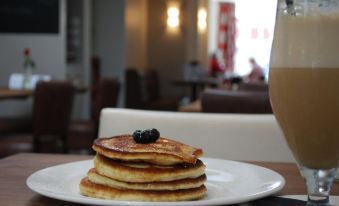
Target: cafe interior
[72, 71]
[178, 56]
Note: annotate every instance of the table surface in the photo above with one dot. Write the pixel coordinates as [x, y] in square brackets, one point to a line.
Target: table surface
[191, 107]
[196, 83]
[6, 93]
[15, 169]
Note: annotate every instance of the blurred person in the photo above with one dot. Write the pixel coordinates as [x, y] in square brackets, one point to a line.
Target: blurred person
[216, 69]
[193, 70]
[257, 72]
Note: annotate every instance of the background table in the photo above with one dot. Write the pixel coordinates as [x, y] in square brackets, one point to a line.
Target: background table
[195, 85]
[6, 93]
[14, 171]
[191, 107]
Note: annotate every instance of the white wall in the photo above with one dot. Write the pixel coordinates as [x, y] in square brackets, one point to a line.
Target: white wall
[109, 36]
[48, 51]
[109, 42]
[79, 18]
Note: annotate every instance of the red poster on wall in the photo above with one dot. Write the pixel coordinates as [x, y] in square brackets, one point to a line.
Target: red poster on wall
[226, 34]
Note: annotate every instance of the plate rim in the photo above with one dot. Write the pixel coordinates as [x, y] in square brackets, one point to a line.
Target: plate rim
[219, 201]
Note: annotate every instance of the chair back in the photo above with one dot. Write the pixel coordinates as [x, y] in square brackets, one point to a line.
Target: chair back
[259, 87]
[133, 89]
[248, 137]
[221, 101]
[52, 107]
[95, 70]
[107, 95]
[152, 85]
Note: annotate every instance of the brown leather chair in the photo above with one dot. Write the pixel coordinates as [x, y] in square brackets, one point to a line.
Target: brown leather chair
[259, 87]
[152, 85]
[143, 92]
[133, 95]
[222, 101]
[52, 111]
[154, 100]
[51, 116]
[107, 95]
[82, 133]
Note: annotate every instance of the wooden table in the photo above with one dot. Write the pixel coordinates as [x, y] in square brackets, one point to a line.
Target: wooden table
[6, 93]
[15, 169]
[191, 107]
[197, 84]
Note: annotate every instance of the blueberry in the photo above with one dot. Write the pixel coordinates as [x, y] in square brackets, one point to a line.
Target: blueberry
[137, 136]
[146, 136]
[155, 134]
[136, 133]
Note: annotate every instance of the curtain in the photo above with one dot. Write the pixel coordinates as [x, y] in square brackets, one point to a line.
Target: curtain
[226, 34]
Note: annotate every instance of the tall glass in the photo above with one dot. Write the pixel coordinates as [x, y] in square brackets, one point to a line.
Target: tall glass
[304, 88]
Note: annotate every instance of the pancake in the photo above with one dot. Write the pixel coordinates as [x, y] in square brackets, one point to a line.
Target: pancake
[162, 152]
[90, 189]
[146, 172]
[188, 183]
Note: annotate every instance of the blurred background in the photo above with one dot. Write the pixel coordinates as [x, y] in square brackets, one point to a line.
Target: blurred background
[159, 55]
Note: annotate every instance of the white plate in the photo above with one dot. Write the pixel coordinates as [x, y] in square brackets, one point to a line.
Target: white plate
[228, 182]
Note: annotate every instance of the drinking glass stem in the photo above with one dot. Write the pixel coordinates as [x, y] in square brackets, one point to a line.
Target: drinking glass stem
[318, 183]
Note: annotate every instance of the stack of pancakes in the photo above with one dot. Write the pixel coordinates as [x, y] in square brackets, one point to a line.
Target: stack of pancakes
[164, 170]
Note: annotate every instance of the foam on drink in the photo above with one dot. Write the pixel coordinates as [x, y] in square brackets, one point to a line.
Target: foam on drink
[304, 86]
[312, 41]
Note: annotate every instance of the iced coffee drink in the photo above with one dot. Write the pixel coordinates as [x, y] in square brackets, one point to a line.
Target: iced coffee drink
[304, 86]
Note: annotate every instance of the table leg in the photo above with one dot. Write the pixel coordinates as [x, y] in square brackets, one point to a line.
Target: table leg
[194, 92]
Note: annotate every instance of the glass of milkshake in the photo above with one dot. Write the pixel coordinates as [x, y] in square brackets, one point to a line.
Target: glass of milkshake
[304, 88]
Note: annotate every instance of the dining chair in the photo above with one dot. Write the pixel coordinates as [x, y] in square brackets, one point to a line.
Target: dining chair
[222, 101]
[133, 95]
[143, 92]
[154, 99]
[107, 95]
[52, 108]
[260, 86]
[83, 132]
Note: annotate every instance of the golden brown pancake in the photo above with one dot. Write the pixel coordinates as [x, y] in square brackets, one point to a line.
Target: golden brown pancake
[146, 172]
[162, 152]
[188, 183]
[90, 189]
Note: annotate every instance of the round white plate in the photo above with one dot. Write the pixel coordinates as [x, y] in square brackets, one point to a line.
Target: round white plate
[228, 182]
